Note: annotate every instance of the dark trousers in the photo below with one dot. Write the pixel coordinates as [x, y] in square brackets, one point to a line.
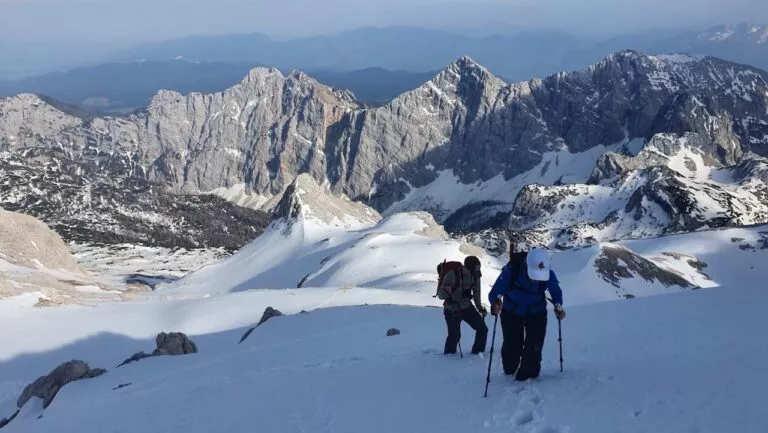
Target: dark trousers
[523, 342]
[473, 318]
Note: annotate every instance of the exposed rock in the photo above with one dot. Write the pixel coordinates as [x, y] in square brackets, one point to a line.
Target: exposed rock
[304, 199]
[269, 313]
[4, 422]
[122, 385]
[617, 263]
[174, 343]
[661, 150]
[392, 331]
[46, 387]
[135, 357]
[657, 200]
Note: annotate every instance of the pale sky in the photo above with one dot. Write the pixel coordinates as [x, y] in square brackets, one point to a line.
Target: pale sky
[133, 21]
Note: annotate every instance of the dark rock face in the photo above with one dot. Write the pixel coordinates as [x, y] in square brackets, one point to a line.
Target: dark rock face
[46, 387]
[269, 313]
[617, 263]
[167, 343]
[174, 343]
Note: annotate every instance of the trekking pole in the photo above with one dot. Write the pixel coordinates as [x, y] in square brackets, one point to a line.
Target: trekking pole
[490, 359]
[559, 336]
[560, 340]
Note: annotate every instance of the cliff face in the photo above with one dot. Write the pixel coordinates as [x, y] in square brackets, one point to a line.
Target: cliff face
[465, 123]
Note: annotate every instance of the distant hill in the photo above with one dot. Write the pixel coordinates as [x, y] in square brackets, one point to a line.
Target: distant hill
[516, 57]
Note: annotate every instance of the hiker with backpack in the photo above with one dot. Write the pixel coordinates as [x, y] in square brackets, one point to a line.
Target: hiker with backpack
[523, 311]
[458, 286]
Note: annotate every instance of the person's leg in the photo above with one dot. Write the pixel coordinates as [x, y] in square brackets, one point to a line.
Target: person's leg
[535, 333]
[475, 320]
[453, 321]
[512, 347]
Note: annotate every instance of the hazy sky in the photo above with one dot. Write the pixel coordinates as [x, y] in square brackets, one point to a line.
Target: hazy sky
[99, 21]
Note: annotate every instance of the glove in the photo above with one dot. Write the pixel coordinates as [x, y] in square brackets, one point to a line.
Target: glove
[495, 308]
[483, 312]
[559, 312]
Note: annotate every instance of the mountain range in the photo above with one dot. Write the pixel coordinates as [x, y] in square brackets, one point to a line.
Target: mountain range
[376, 64]
[641, 145]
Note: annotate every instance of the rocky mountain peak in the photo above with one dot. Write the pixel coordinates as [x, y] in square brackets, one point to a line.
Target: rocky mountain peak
[305, 200]
[466, 70]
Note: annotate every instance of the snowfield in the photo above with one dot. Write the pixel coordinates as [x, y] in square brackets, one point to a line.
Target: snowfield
[686, 361]
[676, 363]
[635, 361]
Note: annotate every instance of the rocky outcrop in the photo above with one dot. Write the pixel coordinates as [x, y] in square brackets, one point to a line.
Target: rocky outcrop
[392, 332]
[46, 387]
[173, 344]
[269, 313]
[672, 185]
[617, 263]
[693, 154]
[305, 199]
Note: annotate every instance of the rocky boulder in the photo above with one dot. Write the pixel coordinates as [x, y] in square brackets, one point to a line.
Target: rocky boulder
[46, 387]
[174, 343]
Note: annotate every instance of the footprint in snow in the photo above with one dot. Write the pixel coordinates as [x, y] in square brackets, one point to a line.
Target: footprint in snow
[523, 417]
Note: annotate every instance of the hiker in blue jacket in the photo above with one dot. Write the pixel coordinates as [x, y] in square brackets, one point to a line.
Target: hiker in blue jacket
[523, 312]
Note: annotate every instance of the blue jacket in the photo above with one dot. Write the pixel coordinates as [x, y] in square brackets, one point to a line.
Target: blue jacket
[526, 299]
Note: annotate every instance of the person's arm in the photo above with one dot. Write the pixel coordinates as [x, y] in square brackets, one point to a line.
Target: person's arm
[557, 295]
[500, 286]
[554, 289]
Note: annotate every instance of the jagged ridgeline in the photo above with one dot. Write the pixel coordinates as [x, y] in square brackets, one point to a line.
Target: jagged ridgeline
[635, 145]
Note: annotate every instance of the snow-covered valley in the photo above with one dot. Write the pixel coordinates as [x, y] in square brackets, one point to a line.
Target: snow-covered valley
[662, 335]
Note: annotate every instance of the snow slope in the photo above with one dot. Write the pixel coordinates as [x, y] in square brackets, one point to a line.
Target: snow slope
[665, 364]
[315, 241]
[306, 246]
[447, 194]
